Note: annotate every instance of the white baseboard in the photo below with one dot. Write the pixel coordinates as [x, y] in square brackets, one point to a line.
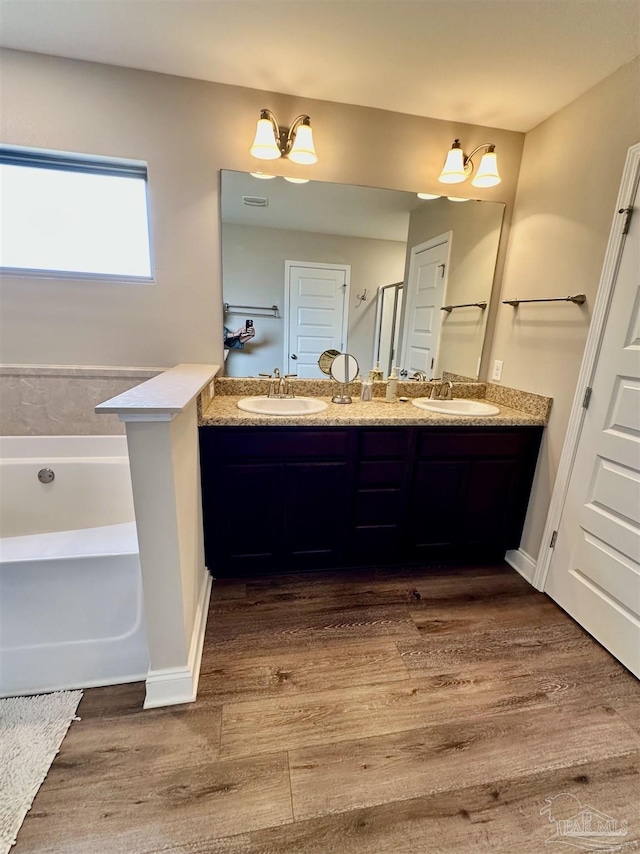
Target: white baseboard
[522, 562]
[173, 685]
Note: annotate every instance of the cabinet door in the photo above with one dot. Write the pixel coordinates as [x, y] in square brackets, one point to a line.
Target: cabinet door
[318, 508]
[248, 518]
[436, 509]
[496, 502]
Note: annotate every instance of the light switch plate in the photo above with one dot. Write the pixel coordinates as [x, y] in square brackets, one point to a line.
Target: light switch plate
[497, 370]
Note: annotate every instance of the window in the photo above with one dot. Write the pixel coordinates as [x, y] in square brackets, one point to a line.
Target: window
[69, 215]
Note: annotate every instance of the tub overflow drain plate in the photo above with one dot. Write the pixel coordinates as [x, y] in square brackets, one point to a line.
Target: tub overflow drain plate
[46, 475]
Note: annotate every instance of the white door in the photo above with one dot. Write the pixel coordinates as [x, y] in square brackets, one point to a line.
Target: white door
[427, 280]
[595, 569]
[316, 314]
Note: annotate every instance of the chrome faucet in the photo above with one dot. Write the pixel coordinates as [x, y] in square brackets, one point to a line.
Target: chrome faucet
[285, 388]
[281, 386]
[441, 390]
[420, 376]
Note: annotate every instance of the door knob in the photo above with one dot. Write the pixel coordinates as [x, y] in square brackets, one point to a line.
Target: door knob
[293, 356]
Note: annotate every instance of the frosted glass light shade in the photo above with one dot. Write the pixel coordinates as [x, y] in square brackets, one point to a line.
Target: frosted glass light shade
[296, 180]
[487, 174]
[458, 199]
[265, 145]
[303, 150]
[453, 171]
[428, 196]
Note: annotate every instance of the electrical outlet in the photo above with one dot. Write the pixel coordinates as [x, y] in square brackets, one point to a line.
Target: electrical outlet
[497, 370]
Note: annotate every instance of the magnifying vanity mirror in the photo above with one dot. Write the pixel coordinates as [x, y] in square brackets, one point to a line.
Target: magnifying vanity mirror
[344, 369]
[389, 277]
[325, 360]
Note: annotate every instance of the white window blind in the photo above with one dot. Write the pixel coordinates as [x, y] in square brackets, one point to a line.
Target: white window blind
[66, 214]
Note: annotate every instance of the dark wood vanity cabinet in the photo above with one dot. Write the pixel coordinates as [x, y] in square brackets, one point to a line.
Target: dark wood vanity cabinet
[295, 498]
[273, 499]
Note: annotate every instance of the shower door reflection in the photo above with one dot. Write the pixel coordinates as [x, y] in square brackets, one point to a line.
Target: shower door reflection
[387, 330]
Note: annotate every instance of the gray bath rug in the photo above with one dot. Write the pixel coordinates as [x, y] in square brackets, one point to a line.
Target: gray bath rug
[31, 732]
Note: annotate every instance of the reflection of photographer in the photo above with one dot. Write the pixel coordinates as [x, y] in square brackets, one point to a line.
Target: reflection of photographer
[236, 340]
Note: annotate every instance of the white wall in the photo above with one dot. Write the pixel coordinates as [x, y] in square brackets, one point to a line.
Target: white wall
[187, 130]
[253, 274]
[569, 180]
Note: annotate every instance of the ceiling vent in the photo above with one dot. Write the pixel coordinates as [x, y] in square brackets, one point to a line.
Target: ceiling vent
[255, 201]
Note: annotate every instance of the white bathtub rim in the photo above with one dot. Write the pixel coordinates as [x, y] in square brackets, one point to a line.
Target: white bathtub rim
[82, 446]
[97, 542]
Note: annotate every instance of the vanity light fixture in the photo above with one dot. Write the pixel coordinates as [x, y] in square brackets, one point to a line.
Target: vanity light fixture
[428, 196]
[295, 143]
[458, 166]
[458, 199]
[297, 180]
[262, 175]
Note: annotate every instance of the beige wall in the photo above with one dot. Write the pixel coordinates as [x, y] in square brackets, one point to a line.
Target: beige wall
[569, 180]
[187, 131]
[253, 274]
[474, 246]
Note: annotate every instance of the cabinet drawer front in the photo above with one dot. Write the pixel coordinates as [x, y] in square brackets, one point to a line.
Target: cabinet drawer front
[472, 444]
[384, 443]
[380, 473]
[284, 443]
[378, 506]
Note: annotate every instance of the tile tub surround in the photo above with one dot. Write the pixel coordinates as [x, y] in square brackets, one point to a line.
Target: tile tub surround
[522, 409]
[59, 400]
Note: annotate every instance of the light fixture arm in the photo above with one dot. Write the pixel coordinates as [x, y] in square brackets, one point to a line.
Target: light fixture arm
[459, 166]
[469, 157]
[285, 136]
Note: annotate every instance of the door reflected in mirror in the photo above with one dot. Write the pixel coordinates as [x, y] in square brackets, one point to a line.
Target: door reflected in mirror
[389, 277]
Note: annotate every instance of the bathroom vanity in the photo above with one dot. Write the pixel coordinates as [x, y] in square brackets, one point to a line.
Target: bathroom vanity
[361, 492]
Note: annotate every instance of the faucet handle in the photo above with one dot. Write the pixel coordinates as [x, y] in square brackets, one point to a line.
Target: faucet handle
[436, 388]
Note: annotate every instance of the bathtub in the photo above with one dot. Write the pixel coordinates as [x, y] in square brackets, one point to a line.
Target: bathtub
[71, 606]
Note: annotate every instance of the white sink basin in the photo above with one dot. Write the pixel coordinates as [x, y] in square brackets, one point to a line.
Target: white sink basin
[457, 406]
[282, 406]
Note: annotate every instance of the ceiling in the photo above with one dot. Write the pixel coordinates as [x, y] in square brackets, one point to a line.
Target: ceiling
[501, 63]
[322, 207]
[318, 207]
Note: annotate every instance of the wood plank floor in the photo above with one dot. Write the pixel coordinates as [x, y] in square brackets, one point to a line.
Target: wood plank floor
[414, 711]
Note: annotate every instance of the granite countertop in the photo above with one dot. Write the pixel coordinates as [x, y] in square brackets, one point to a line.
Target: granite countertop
[223, 412]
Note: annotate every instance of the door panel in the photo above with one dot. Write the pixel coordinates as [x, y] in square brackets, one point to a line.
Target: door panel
[251, 540]
[425, 294]
[436, 502]
[315, 522]
[595, 569]
[316, 319]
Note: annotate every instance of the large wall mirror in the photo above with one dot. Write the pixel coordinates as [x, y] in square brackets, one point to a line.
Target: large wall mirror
[381, 274]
